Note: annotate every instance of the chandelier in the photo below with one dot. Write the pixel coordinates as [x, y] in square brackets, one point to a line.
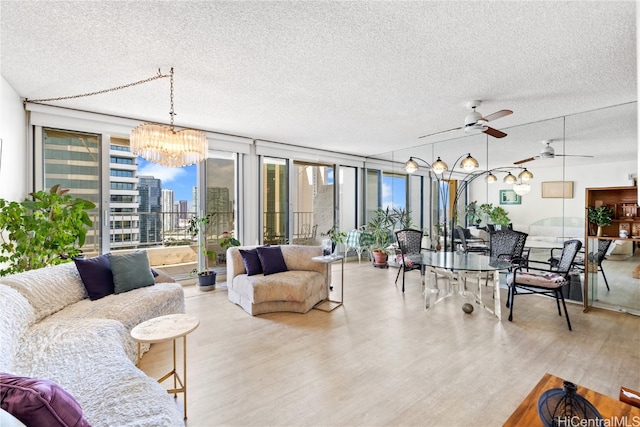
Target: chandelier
[167, 146]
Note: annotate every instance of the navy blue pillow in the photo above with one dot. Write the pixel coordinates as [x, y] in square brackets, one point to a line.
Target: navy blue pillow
[96, 275]
[251, 261]
[271, 259]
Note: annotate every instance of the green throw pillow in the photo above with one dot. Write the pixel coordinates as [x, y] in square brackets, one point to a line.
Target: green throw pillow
[131, 271]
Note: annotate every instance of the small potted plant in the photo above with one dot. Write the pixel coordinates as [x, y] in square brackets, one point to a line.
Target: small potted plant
[600, 216]
[474, 215]
[225, 243]
[199, 225]
[336, 236]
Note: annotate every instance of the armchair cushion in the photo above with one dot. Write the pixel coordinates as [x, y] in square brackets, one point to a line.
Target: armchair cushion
[271, 259]
[251, 261]
[548, 280]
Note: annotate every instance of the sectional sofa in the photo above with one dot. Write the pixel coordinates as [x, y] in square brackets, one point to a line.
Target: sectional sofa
[51, 331]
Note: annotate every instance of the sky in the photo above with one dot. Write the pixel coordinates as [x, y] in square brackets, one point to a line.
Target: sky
[180, 180]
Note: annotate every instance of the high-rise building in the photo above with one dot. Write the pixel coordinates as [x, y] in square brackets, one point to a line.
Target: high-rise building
[124, 220]
[170, 220]
[150, 209]
[195, 206]
[219, 202]
[183, 213]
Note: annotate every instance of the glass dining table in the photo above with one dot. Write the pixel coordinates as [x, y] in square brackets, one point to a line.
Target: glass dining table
[466, 266]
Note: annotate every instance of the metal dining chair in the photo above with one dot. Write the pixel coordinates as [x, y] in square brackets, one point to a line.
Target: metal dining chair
[544, 280]
[409, 244]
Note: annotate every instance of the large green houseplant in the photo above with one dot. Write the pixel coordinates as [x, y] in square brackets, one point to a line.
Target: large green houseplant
[380, 226]
[48, 229]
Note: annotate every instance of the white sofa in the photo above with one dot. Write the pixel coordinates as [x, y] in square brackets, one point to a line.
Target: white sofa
[297, 290]
[49, 329]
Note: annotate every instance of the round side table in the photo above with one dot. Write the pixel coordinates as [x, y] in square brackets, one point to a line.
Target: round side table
[165, 328]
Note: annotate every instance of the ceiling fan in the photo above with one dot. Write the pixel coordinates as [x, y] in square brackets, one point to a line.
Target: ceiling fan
[547, 153]
[475, 122]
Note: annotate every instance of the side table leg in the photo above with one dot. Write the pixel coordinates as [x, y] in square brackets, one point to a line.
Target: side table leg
[184, 372]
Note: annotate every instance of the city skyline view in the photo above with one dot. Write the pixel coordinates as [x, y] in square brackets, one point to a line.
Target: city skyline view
[180, 180]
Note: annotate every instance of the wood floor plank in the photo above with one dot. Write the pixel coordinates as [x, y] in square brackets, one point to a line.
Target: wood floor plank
[382, 359]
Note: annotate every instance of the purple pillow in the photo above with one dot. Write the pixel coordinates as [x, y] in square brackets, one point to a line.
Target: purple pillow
[271, 259]
[37, 402]
[251, 261]
[96, 275]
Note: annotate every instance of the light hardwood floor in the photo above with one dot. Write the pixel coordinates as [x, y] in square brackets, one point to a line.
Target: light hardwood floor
[381, 359]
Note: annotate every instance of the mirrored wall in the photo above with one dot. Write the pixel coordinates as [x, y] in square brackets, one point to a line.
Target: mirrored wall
[597, 148]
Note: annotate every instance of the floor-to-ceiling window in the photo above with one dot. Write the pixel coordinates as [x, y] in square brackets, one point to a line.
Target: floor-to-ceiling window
[220, 201]
[348, 197]
[72, 159]
[275, 200]
[312, 199]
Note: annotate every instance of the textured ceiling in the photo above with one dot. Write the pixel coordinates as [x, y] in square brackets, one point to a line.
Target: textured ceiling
[354, 77]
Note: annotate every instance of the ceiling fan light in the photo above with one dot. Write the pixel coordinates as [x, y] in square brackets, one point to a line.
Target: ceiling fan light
[509, 179]
[525, 175]
[469, 163]
[439, 166]
[521, 188]
[491, 178]
[410, 166]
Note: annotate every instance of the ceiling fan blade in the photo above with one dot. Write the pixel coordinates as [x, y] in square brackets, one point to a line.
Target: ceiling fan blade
[495, 133]
[519, 162]
[497, 115]
[572, 155]
[442, 131]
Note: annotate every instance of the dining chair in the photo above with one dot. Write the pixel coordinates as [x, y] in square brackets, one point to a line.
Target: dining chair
[409, 245]
[598, 257]
[545, 280]
[470, 247]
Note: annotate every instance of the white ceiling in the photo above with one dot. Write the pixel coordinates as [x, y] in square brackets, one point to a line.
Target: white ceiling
[359, 77]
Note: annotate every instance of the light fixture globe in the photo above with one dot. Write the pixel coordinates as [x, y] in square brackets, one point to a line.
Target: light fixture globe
[168, 147]
[509, 179]
[521, 188]
[411, 166]
[469, 163]
[491, 178]
[439, 166]
[525, 175]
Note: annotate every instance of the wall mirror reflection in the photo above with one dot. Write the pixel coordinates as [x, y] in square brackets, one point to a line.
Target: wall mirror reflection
[594, 149]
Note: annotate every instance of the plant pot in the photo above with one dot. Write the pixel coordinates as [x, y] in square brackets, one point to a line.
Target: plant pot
[599, 232]
[207, 281]
[380, 259]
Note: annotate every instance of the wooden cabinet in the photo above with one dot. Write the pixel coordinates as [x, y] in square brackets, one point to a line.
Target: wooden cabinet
[624, 202]
[626, 216]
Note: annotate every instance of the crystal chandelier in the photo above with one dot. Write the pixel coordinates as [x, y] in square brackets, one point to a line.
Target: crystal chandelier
[166, 146]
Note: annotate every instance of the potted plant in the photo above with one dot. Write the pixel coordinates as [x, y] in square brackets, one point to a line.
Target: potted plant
[600, 216]
[497, 214]
[380, 228]
[402, 218]
[47, 230]
[225, 243]
[199, 225]
[337, 237]
[473, 213]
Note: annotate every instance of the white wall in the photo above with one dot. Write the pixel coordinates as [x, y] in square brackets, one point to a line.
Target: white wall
[534, 208]
[13, 167]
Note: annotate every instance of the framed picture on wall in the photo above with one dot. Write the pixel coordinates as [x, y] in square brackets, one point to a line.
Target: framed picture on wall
[557, 189]
[509, 197]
